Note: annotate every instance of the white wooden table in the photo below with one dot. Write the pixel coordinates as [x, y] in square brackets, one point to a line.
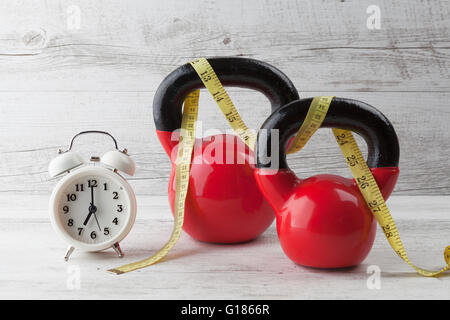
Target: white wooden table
[32, 265]
[68, 66]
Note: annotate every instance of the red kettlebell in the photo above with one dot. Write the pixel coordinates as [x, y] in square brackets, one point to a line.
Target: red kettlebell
[223, 203]
[323, 221]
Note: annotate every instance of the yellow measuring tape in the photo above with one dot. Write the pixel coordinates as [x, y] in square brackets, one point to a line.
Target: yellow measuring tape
[313, 120]
[185, 147]
[363, 176]
[223, 100]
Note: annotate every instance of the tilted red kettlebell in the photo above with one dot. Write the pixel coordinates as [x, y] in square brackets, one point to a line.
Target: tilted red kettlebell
[323, 221]
[223, 203]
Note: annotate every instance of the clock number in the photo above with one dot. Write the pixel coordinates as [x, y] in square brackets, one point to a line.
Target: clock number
[79, 231]
[116, 195]
[79, 187]
[115, 221]
[70, 222]
[106, 231]
[71, 197]
[119, 208]
[92, 183]
[105, 186]
[93, 235]
[66, 209]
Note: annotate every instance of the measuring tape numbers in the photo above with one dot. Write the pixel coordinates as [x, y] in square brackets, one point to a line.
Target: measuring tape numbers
[185, 148]
[361, 172]
[223, 100]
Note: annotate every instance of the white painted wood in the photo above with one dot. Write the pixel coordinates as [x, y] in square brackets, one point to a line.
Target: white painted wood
[57, 79]
[322, 45]
[32, 138]
[32, 265]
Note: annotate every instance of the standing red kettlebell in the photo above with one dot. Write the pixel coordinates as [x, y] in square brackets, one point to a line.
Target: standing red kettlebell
[223, 203]
[323, 221]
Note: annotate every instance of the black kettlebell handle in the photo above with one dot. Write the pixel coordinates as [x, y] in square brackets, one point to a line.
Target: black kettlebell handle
[348, 114]
[232, 71]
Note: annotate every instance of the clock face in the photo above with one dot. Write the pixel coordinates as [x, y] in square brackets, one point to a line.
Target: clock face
[94, 208]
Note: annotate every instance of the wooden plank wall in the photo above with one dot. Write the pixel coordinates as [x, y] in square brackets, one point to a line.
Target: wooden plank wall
[58, 77]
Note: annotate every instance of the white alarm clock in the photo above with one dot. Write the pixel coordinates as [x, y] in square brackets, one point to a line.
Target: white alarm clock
[92, 207]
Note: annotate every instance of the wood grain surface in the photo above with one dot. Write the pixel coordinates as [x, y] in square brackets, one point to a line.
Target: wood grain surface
[68, 66]
[32, 267]
[58, 77]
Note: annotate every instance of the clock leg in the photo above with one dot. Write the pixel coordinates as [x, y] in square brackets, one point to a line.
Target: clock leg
[68, 253]
[117, 249]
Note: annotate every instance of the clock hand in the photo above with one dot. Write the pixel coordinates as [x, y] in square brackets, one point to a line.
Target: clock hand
[92, 196]
[93, 208]
[88, 216]
[95, 216]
